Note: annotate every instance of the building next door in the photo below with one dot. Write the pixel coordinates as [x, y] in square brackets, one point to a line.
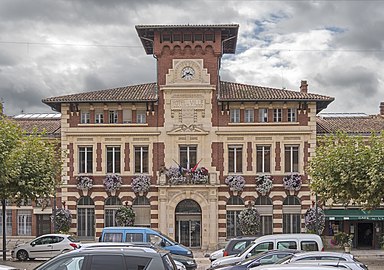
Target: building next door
[365, 234]
[188, 223]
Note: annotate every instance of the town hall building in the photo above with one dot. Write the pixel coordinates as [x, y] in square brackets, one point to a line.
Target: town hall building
[193, 136]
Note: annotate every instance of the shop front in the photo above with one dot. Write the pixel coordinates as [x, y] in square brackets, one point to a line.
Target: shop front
[366, 226]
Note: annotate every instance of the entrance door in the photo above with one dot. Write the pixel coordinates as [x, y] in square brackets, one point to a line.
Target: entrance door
[43, 224]
[188, 231]
[188, 223]
[365, 235]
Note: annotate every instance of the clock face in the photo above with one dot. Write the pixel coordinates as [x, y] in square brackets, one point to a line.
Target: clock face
[187, 73]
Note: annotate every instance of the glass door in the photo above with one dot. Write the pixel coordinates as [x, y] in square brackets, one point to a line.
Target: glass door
[188, 231]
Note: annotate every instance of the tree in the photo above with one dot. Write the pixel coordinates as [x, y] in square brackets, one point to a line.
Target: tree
[249, 220]
[30, 166]
[349, 169]
[125, 216]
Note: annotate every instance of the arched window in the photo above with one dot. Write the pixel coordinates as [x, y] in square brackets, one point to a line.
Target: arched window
[110, 207]
[142, 208]
[292, 215]
[265, 208]
[234, 205]
[86, 218]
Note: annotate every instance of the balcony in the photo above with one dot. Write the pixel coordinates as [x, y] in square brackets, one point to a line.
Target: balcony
[188, 179]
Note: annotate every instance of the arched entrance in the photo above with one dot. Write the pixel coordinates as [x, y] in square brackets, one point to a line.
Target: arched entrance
[188, 223]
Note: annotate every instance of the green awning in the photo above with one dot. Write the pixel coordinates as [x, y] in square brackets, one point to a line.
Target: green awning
[354, 214]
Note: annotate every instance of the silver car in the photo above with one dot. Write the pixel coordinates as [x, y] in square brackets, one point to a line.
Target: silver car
[321, 255]
[45, 246]
[336, 263]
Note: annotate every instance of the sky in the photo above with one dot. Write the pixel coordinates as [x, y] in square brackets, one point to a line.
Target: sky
[52, 48]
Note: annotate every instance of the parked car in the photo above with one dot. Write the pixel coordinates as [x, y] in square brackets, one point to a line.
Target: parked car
[337, 263]
[188, 262]
[266, 257]
[111, 258]
[143, 234]
[216, 254]
[233, 246]
[292, 267]
[316, 255]
[45, 246]
[298, 241]
[237, 245]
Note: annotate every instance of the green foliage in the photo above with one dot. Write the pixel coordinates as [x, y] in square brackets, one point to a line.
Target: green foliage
[62, 219]
[30, 165]
[343, 239]
[349, 169]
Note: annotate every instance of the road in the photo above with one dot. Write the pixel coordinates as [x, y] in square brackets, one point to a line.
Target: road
[373, 264]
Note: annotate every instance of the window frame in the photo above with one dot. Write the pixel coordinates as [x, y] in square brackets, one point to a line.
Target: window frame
[277, 115]
[141, 158]
[190, 153]
[116, 159]
[263, 115]
[235, 152]
[292, 114]
[85, 166]
[234, 115]
[249, 115]
[263, 158]
[291, 158]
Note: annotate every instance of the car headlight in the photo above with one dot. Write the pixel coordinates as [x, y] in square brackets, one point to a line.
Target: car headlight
[189, 252]
[215, 263]
[190, 262]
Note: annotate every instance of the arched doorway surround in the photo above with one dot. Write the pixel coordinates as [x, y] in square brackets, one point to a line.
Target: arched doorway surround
[188, 223]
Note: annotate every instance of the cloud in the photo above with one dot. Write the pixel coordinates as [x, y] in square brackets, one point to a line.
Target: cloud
[52, 48]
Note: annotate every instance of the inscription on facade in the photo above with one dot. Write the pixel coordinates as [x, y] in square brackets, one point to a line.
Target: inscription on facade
[187, 104]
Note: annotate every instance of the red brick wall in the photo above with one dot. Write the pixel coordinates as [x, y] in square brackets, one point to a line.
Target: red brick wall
[218, 158]
[249, 156]
[99, 158]
[277, 157]
[126, 159]
[158, 158]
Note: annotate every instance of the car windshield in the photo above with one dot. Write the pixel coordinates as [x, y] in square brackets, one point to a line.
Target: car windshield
[173, 242]
[244, 251]
[73, 239]
[252, 258]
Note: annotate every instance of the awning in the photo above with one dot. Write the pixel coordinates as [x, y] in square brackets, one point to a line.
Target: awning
[354, 214]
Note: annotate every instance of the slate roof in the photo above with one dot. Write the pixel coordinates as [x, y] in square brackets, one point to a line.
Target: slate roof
[51, 126]
[230, 91]
[134, 93]
[357, 125]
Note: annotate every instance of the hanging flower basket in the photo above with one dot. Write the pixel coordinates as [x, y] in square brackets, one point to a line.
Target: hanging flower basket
[235, 182]
[264, 184]
[62, 219]
[314, 223]
[112, 182]
[125, 216]
[141, 184]
[249, 221]
[84, 182]
[292, 182]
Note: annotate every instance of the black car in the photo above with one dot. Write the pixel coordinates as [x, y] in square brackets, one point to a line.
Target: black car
[111, 258]
[188, 262]
[237, 245]
[267, 257]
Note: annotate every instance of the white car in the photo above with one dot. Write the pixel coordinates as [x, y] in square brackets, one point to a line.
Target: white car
[216, 254]
[6, 267]
[45, 246]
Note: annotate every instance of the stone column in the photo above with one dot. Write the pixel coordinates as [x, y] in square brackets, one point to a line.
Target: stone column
[213, 219]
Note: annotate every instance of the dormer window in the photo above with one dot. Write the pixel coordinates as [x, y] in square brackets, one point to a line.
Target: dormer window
[85, 117]
[292, 112]
[112, 117]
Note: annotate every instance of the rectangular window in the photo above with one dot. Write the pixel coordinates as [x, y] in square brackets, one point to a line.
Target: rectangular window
[127, 116]
[292, 112]
[8, 222]
[266, 225]
[209, 37]
[289, 244]
[291, 223]
[99, 117]
[166, 37]
[112, 117]
[263, 115]
[233, 228]
[176, 37]
[198, 37]
[188, 156]
[187, 37]
[234, 115]
[85, 117]
[141, 117]
[291, 158]
[141, 159]
[113, 159]
[134, 237]
[235, 159]
[249, 115]
[24, 222]
[277, 115]
[110, 220]
[85, 159]
[263, 159]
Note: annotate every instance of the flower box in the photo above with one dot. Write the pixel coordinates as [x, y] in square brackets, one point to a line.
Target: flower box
[264, 184]
[141, 184]
[292, 182]
[112, 182]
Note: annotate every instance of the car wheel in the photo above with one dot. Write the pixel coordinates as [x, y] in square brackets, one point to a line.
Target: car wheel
[22, 255]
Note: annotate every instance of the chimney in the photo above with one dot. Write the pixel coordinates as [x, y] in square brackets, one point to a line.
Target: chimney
[382, 108]
[304, 87]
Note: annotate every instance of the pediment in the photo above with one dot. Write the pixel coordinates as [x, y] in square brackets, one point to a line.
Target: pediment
[184, 129]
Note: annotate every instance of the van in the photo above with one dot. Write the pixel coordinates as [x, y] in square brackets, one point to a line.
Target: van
[143, 234]
[296, 241]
